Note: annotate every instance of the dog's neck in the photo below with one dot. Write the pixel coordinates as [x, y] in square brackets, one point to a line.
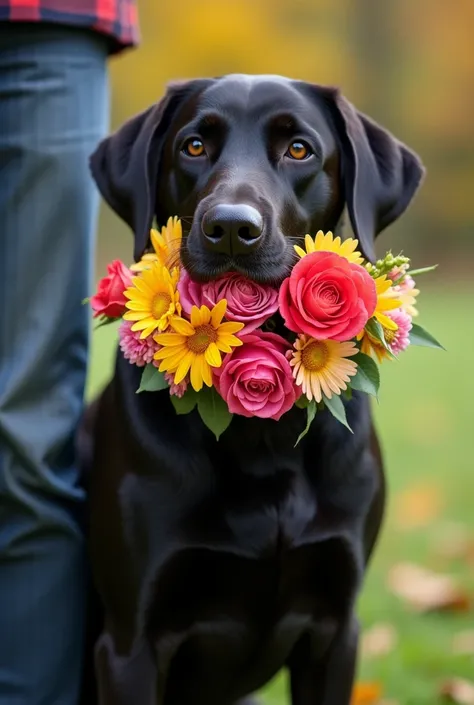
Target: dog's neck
[250, 446]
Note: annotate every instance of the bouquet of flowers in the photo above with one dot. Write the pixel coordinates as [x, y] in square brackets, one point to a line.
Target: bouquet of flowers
[236, 346]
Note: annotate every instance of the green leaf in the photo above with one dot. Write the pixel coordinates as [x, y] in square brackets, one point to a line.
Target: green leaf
[414, 272]
[367, 377]
[421, 270]
[336, 407]
[419, 336]
[186, 403]
[85, 301]
[302, 402]
[311, 410]
[376, 331]
[347, 393]
[213, 411]
[152, 380]
[105, 321]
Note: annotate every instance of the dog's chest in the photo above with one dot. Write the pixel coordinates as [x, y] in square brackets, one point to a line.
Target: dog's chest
[241, 578]
[258, 551]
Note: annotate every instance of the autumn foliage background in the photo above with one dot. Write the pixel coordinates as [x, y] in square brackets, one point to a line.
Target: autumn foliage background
[410, 65]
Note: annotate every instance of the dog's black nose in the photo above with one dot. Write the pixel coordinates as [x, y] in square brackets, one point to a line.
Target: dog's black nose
[232, 229]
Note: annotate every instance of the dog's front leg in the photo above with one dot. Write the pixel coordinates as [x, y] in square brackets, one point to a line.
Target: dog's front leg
[125, 680]
[326, 681]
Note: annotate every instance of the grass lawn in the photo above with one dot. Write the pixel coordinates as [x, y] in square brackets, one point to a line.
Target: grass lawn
[427, 429]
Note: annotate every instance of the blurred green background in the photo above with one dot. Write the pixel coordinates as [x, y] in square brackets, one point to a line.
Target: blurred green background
[410, 65]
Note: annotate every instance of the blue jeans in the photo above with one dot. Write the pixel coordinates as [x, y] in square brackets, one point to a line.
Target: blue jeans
[53, 111]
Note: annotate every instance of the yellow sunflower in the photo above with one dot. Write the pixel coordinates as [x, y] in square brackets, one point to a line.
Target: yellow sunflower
[328, 243]
[153, 299]
[321, 366]
[166, 246]
[196, 346]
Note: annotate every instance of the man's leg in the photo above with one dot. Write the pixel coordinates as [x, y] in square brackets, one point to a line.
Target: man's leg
[53, 111]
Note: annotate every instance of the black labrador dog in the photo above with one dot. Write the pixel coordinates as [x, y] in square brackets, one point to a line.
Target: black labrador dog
[219, 563]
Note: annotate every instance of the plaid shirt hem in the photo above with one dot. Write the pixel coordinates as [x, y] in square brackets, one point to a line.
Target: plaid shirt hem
[117, 19]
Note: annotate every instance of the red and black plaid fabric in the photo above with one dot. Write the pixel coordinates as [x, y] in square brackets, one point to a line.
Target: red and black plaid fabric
[117, 19]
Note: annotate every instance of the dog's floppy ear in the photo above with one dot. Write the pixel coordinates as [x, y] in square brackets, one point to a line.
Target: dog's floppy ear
[380, 174]
[125, 165]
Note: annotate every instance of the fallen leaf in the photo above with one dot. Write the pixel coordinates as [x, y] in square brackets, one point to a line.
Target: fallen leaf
[463, 643]
[455, 542]
[418, 506]
[458, 691]
[379, 640]
[426, 591]
[366, 694]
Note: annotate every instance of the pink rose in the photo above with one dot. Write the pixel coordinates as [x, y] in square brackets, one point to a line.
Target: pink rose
[256, 378]
[247, 301]
[327, 297]
[109, 300]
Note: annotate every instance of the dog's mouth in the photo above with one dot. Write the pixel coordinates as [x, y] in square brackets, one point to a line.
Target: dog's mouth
[262, 267]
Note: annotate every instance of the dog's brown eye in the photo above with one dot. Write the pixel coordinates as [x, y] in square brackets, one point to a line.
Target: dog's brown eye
[194, 148]
[298, 150]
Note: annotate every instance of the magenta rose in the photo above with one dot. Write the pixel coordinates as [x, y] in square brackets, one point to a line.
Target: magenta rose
[247, 301]
[256, 379]
[327, 297]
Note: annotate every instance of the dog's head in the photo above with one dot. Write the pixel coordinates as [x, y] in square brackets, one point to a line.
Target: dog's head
[250, 164]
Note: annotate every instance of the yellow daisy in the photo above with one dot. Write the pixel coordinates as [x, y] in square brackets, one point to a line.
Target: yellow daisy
[321, 366]
[153, 299]
[147, 259]
[166, 246]
[329, 243]
[387, 300]
[196, 346]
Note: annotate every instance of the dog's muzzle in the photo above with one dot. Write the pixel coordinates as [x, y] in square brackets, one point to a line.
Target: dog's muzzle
[232, 229]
